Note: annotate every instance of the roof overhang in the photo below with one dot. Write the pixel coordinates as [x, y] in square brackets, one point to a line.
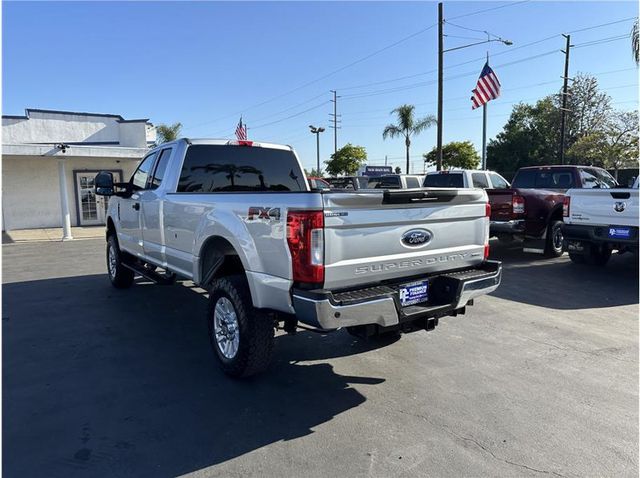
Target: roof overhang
[74, 151]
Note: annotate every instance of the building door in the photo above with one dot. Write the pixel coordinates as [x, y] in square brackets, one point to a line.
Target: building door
[92, 209]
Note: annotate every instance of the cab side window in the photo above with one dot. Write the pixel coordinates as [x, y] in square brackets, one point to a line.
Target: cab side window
[161, 167]
[141, 176]
[498, 181]
[479, 180]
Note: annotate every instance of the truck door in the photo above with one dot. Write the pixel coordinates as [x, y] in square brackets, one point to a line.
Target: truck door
[129, 231]
[152, 202]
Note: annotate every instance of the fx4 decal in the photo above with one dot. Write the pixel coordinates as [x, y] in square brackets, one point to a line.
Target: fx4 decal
[268, 213]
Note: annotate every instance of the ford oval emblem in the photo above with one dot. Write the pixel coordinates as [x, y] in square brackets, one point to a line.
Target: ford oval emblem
[416, 237]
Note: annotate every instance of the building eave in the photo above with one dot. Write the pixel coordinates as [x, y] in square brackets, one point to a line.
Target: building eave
[74, 151]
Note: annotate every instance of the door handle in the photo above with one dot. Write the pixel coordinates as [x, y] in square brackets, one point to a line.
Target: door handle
[136, 206]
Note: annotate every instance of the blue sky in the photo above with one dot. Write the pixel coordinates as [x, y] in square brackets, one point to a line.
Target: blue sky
[205, 63]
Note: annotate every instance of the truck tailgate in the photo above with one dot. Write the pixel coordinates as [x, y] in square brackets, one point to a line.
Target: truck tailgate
[383, 235]
[501, 201]
[605, 207]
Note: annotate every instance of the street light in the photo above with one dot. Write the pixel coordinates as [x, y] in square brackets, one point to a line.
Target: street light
[317, 132]
[441, 52]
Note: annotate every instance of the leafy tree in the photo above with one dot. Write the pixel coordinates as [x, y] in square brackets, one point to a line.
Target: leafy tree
[346, 160]
[531, 136]
[613, 147]
[407, 126]
[457, 154]
[314, 173]
[398, 170]
[166, 133]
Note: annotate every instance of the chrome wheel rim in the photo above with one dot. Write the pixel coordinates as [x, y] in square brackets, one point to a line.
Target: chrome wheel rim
[112, 263]
[557, 239]
[225, 328]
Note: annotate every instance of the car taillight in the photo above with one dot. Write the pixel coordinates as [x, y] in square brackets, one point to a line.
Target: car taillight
[566, 204]
[517, 204]
[305, 237]
[487, 213]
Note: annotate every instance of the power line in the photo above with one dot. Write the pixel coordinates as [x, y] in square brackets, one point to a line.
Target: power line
[489, 9]
[291, 116]
[338, 70]
[504, 52]
[602, 40]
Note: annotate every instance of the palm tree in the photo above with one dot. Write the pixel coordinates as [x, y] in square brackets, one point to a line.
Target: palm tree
[407, 126]
[635, 42]
[166, 133]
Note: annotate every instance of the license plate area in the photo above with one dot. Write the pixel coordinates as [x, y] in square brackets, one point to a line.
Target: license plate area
[413, 293]
[617, 232]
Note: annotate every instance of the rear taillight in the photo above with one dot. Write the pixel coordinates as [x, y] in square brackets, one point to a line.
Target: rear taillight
[517, 204]
[487, 213]
[305, 237]
[566, 204]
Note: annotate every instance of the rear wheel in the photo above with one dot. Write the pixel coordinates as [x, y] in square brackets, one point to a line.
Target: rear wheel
[120, 276]
[553, 247]
[241, 336]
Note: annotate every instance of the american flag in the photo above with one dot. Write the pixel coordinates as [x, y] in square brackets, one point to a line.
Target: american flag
[241, 131]
[487, 89]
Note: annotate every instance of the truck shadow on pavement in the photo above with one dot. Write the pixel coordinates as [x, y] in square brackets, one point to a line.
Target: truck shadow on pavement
[100, 382]
[557, 283]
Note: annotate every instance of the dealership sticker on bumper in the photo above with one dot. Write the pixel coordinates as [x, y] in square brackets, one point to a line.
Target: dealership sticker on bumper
[619, 232]
[414, 293]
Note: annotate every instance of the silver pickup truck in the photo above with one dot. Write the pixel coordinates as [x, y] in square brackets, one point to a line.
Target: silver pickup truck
[239, 219]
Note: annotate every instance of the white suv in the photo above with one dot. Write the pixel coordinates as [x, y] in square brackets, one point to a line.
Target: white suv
[465, 178]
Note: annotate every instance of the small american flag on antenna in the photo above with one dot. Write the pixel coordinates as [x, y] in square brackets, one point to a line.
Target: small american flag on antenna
[487, 88]
[241, 131]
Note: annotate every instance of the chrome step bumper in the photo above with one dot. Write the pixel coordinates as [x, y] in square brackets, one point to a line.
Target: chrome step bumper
[381, 305]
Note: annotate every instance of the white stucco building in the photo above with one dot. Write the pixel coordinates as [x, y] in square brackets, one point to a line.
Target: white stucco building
[45, 152]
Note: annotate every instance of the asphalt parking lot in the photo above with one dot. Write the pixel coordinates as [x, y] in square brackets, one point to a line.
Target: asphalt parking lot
[538, 379]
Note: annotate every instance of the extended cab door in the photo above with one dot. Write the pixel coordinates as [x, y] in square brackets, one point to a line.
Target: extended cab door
[129, 230]
[152, 201]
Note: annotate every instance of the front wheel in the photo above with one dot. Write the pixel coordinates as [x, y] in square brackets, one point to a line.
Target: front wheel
[120, 276]
[554, 240]
[241, 336]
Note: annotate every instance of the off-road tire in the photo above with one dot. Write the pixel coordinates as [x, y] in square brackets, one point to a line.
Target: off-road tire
[577, 258]
[120, 276]
[256, 328]
[553, 247]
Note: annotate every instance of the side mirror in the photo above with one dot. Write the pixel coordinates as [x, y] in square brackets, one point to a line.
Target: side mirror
[104, 183]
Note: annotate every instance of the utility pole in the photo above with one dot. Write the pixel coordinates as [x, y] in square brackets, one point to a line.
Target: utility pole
[335, 120]
[440, 85]
[565, 93]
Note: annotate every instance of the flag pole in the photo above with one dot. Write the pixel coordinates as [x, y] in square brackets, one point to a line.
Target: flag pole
[484, 130]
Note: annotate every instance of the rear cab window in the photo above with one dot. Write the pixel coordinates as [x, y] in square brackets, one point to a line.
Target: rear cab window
[412, 182]
[389, 182]
[444, 180]
[547, 178]
[211, 168]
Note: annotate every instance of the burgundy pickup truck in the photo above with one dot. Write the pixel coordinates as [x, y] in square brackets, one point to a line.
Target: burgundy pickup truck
[531, 210]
